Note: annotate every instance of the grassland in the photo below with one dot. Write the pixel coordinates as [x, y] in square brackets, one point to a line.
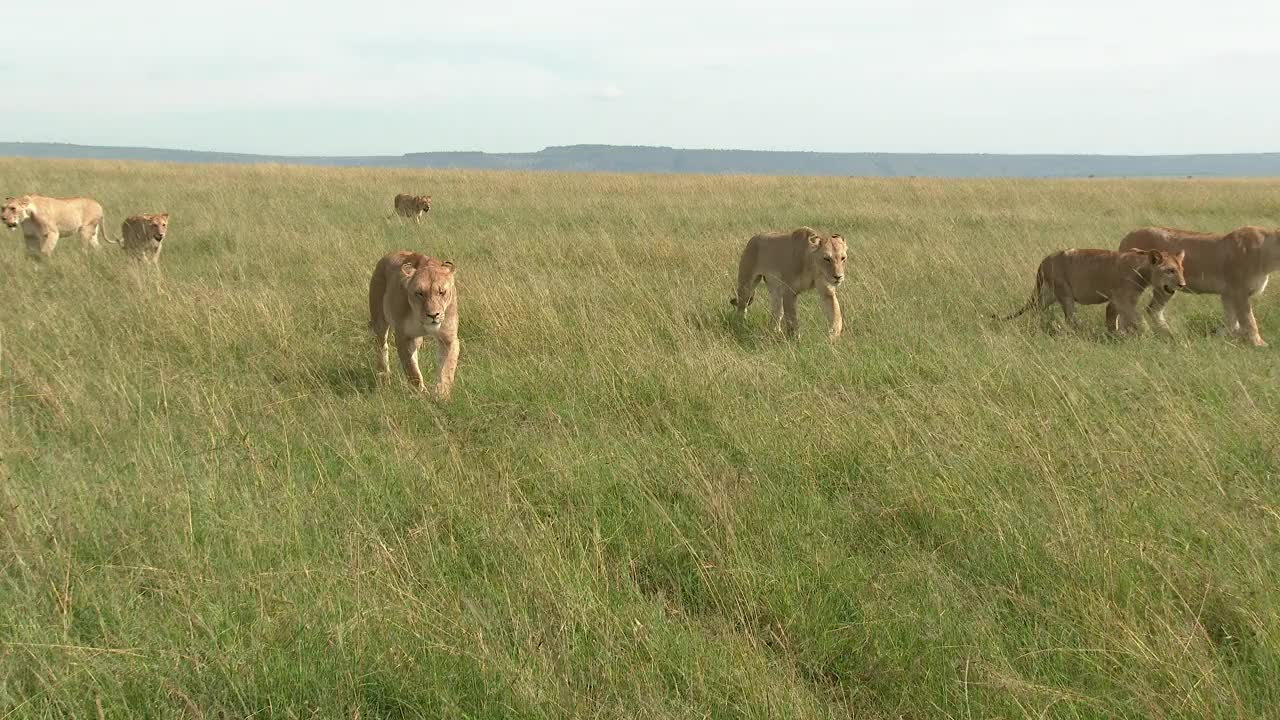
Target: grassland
[632, 507]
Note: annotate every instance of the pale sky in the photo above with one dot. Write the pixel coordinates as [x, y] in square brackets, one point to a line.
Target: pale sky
[376, 77]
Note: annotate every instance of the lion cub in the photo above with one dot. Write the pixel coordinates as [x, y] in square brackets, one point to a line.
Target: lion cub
[791, 263]
[1092, 277]
[414, 206]
[142, 235]
[415, 296]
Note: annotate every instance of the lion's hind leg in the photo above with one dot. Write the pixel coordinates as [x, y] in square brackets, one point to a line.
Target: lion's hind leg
[378, 331]
[777, 299]
[89, 234]
[1230, 322]
[378, 323]
[1066, 298]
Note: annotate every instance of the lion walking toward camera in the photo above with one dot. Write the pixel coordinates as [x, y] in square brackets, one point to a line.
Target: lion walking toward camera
[143, 236]
[415, 297]
[791, 263]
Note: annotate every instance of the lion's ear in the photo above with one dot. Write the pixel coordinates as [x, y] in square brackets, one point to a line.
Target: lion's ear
[814, 240]
[1182, 255]
[408, 270]
[1157, 257]
[449, 264]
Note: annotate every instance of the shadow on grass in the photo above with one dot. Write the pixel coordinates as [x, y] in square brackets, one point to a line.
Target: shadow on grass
[727, 325]
[348, 380]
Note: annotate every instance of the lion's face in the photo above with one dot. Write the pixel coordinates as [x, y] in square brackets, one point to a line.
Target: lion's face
[430, 290]
[1271, 248]
[15, 210]
[829, 253]
[423, 203]
[1166, 272]
[157, 227]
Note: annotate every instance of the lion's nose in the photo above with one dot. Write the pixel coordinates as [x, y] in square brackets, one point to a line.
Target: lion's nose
[433, 316]
[839, 278]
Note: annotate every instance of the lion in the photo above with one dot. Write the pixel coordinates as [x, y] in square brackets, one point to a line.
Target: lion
[1235, 266]
[415, 296]
[44, 220]
[142, 236]
[791, 263]
[413, 206]
[1092, 277]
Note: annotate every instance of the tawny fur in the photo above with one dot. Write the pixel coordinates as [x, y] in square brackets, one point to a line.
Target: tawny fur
[1091, 277]
[1235, 266]
[44, 220]
[791, 263]
[415, 296]
[414, 206]
[143, 235]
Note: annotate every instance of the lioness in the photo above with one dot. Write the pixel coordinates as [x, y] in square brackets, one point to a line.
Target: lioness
[791, 263]
[142, 235]
[1234, 266]
[413, 206]
[45, 219]
[1091, 277]
[415, 296]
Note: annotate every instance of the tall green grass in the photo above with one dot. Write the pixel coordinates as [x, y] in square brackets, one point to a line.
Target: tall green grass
[632, 507]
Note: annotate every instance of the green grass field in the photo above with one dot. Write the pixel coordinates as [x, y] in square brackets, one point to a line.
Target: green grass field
[632, 507]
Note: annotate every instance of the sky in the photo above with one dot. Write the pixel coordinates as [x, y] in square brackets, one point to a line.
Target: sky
[385, 78]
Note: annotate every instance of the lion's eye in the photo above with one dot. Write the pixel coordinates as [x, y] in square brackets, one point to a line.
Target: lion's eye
[441, 292]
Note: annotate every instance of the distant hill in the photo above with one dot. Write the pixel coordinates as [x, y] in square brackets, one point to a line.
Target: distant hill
[641, 159]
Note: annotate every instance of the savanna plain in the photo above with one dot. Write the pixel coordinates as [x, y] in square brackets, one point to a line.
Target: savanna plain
[632, 506]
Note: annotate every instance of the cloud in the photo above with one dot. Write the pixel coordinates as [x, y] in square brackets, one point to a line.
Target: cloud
[607, 92]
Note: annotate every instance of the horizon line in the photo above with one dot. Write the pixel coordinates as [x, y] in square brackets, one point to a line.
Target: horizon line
[642, 147]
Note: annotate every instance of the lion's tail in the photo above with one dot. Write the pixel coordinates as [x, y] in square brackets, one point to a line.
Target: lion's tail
[1033, 301]
[102, 228]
